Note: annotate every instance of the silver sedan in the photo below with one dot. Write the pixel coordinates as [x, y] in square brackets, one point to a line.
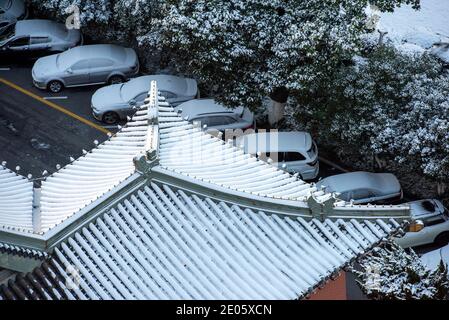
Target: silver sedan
[85, 65]
[363, 187]
[115, 102]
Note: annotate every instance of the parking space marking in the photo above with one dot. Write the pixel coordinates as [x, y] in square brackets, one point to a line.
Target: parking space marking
[56, 98]
[54, 106]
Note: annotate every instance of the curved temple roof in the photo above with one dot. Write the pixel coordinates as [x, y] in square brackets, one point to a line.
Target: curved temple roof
[95, 173]
[158, 239]
[183, 149]
[161, 243]
[188, 150]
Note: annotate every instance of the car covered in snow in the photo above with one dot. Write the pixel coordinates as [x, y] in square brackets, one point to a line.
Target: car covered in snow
[10, 12]
[38, 38]
[363, 187]
[85, 65]
[435, 219]
[214, 116]
[115, 102]
[295, 151]
[433, 258]
[441, 51]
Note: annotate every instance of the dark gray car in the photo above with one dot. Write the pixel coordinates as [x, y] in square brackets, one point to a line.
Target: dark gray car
[44, 36]
[10, 12]
[85, 65]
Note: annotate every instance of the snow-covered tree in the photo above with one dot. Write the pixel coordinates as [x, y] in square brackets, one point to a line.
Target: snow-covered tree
[391, 273]
[254, 48]
[107, 20]
[388, 105]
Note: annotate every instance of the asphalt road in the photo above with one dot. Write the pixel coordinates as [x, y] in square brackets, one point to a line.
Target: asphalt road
[36, 136]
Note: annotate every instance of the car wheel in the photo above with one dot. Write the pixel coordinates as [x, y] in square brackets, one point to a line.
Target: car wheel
[55, 86]
[116, 80]
[110, 117]
[442, 238]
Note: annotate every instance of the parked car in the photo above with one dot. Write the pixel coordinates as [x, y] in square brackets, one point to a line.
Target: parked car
[10, 12]
[85, 65]
[363, 187]
[435, 218]
[115, 102]
[216, 116]
[34, 38]
[433, 258]
[294, 152]
[441, 51]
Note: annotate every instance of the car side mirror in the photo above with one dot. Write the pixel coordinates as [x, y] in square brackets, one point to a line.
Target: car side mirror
[69, 70]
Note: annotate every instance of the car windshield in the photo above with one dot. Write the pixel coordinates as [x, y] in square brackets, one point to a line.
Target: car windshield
[429, 206]
[5, 4]
[65, 60]
[8, 33]
[130, 91]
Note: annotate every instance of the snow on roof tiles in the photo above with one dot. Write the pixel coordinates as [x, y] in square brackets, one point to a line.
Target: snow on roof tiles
[186, 149]
[161, 243]
[90, 176]
[16, 201]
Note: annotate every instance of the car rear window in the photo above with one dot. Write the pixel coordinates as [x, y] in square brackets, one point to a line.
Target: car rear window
[213, 121]
[293, 156]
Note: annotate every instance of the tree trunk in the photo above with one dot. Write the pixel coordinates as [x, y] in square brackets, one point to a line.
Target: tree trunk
[276, 110]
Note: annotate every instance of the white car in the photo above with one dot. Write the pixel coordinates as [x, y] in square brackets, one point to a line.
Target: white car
[214, 116]
[363, 187]
[295, 152]
[436, 224]
[115, 102]
[433, 258]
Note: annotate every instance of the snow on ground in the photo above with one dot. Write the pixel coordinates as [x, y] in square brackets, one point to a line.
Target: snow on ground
[417, 30]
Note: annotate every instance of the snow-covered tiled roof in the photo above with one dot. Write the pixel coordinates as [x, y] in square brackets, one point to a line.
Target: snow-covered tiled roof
[185, 152]
[186, 149]
[162, 243]
[95, 173]
[16, 201]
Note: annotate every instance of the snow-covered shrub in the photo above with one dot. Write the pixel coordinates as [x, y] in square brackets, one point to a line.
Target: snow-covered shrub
[248, 49]
[391, 273]
[105, 20]
[387, 106]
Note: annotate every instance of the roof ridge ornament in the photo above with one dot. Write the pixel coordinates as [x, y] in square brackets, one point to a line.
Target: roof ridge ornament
[145, 163]
[321, 208]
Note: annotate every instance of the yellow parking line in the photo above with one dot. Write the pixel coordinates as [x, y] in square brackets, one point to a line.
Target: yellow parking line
[54, 106]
